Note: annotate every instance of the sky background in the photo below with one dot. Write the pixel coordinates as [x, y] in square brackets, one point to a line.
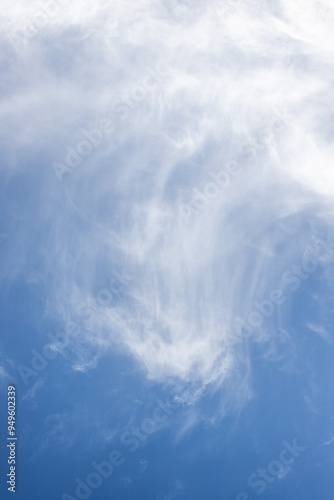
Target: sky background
[167, 248]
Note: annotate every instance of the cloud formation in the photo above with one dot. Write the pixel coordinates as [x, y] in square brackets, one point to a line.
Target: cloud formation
[246, 90]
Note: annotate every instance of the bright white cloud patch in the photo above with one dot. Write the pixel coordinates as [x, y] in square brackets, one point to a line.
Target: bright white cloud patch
[185, 143]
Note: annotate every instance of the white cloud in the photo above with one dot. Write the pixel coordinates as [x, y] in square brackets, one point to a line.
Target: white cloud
[232, 79]
[31, 393]
[319, 330]
[177, 490]
[3, 374]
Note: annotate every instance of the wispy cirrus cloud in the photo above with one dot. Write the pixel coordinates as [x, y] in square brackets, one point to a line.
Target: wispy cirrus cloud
[177, 490]
[228, 77]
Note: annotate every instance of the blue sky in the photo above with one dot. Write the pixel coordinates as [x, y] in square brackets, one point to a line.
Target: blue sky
[167, 249]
